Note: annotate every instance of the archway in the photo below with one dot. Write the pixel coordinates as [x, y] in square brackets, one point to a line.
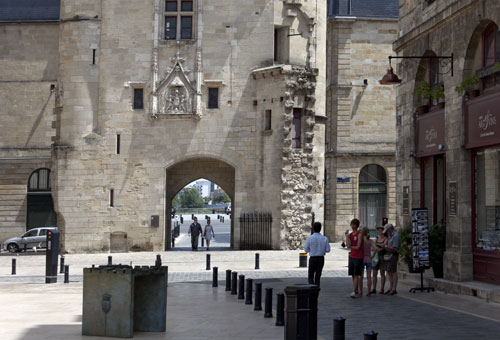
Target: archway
[40, 206]
[372, 195]
[182, 173]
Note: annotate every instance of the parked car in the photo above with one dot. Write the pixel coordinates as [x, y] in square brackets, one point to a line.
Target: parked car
[36, 237]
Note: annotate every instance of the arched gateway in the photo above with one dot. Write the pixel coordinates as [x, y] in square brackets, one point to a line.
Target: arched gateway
[182, 173]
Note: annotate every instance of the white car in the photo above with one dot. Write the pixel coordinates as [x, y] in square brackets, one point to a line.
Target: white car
[36, 237]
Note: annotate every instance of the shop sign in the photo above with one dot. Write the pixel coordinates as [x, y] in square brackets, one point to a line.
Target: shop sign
[483, 121]
[430, 133]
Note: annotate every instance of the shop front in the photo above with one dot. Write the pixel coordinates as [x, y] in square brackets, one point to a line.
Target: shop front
[482, 126]
[430, 149]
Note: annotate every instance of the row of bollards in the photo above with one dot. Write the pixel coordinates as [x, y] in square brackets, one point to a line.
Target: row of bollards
[207, 267]
[339, 330]
[62, 269]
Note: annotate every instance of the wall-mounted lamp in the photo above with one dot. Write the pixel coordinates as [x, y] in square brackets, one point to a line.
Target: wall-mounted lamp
[441, 147]
[390, 78]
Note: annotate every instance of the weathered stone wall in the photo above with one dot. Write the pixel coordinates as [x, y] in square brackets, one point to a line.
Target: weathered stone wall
[28, 64]
[444, 27]
[361, 124]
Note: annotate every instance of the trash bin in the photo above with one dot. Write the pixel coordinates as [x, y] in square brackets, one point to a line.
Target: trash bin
[301, 312]
[118, 300]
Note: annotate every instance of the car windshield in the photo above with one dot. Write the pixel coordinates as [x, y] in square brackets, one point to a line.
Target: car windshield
[30, 233]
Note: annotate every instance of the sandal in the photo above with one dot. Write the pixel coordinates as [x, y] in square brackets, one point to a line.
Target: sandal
[381, 292]
[373, 292]
[393, 292]
[388, 292]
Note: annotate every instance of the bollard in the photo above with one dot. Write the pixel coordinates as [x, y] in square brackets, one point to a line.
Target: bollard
[25, 247]
[173, 242]
[228, 280]
[182, 220]
[268, 305]
[280, 310]
[248, 294]
[339, 328]
[66, 274]
[208, 262]
[257, 261]
[61, 265]
[303, 260]
[158, 260]
[241, 287]
[192, 217]
[234, 283]
[215, 277]
[13, 267]
[110, 260]
[206, 217]
[370, 335]
[258, 296]
[301, 312]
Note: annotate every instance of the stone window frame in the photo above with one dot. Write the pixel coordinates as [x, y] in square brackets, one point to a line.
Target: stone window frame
[268, 128]
[178, 14]
[211, 84]
[301, 126]
[138, 85]
[492, 28]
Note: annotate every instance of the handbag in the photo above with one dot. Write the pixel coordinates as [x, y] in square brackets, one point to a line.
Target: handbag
[387, 257]
[375, 260]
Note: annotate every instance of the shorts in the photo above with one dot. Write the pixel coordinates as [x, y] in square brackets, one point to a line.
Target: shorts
[355, 267]
[391, 266]
[367, 266]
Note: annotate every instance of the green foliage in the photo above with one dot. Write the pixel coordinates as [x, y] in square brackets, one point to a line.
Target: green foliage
[176, 202]
[438, 91]
[467, 84]
[405, 235]
[424, 90]
[497, 67]
[191, 198]
[221, 197]
[437, 242]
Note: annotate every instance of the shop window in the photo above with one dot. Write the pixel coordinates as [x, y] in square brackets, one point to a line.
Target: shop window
[491, 54]
[297, 128]
[487, 200]
[372, 195]
[213, 97]
[433, 198]
[179, 20]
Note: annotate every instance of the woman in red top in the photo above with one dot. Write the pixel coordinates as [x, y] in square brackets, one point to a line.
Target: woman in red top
[355, 242]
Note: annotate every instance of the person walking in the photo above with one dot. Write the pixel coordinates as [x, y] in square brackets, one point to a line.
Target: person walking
[208, 233]
[378, 263]
[194, 231]
[391, 257]
[367, 261]
[316, 246]
[354, 241]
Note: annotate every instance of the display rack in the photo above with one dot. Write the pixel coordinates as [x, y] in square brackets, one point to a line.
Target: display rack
[420, 245]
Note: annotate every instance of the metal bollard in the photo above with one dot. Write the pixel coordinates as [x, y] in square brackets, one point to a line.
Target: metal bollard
[110, 260]
[173, 242]
[268, 306]
[192, 217]
[228, 280]
[182, 220]
[280, 310]
[208, 262]
[215, 277]
[370, 335]
[25, 247]
[258, 296]
[158, 260]
[248, 294]
[66, 274]
[241, 287]
[303, 260]
[61, 265]
[257, 261]
[234, 283]
[339, 328]
[13, 267]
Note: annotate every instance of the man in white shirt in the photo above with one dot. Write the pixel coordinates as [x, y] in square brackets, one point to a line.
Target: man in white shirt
[316, 246]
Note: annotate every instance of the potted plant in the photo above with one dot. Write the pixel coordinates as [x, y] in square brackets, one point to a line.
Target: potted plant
[437, 247]
[438, 93]
[424, 91]
[467, 86]
[405, 249]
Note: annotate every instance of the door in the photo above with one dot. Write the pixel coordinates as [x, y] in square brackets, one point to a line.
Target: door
[30, 238]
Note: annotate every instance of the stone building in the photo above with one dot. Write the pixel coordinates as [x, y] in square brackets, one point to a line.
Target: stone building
[109, 108]
[361, 127]
[448, 159]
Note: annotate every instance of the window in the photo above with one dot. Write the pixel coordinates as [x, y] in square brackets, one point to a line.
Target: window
[138, 99]
[213, 97]
[31, 233]
[491, 53]
[178, 20]
[267, 120]
[433, 66]
[296, 128]
[39, 203]
[372, 195]
[433, 190]
[39, 181]
[112, 198]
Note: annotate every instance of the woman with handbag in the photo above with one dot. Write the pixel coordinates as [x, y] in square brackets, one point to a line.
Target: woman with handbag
[378, 261]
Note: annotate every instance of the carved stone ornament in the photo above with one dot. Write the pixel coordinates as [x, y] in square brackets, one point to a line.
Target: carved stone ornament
[175, 93]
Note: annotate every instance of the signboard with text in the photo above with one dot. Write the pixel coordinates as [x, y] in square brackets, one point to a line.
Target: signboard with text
[482, 121]
[430, 133]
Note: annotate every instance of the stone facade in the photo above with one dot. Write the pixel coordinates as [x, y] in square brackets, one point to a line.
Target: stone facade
[361, 124]
[442, 28]
[101, 51]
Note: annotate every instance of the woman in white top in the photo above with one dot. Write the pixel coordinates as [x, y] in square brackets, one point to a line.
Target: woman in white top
[208, 233]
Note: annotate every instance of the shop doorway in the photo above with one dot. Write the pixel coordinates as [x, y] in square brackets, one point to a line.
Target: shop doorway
[182, 175]
[372, 196]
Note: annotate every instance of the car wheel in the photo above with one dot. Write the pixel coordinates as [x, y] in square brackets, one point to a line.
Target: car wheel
[13, 248]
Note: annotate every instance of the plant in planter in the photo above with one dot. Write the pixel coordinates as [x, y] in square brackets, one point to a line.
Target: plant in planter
[467, 85]
[405, 249]
[437, 247]
[424, 91]
[438, 93]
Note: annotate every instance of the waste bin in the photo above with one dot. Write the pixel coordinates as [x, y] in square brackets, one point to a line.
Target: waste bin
[301, 312]
[118, 300]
